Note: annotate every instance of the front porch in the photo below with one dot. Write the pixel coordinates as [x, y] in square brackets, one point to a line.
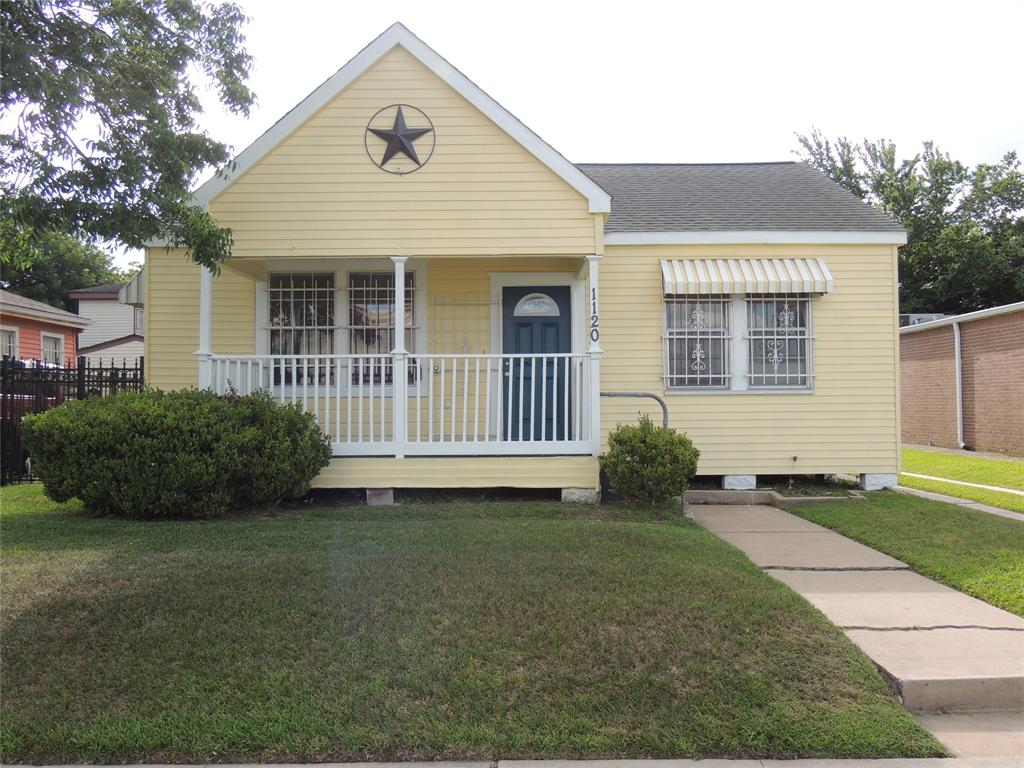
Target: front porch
[510, 370]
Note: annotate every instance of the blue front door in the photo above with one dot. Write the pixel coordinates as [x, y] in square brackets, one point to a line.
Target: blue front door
[535, 321]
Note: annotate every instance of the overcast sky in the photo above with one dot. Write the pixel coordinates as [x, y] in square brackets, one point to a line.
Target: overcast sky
[710, 81]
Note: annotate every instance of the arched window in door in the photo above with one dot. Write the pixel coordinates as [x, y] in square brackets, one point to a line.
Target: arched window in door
[536, 305]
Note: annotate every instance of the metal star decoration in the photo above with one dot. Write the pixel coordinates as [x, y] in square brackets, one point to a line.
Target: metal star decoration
[400, 139]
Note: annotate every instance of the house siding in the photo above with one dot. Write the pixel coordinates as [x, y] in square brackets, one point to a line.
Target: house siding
[318, 194]
[30, 336]
[110, 320]
[461, 472]
[172, 317]
[849, 423]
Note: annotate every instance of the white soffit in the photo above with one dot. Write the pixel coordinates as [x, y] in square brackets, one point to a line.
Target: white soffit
[134, 292]
[725, 276]
[397, 34]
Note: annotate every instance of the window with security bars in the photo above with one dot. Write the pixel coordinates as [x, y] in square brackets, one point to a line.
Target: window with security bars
[301, 313]
[697, 342]
[372, 315]
[779, 340]
[302, 323]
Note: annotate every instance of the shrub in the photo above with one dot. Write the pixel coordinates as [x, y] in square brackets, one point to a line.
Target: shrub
[175, 454]
[649, 464]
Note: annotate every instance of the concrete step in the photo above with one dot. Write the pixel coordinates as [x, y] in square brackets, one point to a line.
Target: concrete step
[979, 734]
[950, 669]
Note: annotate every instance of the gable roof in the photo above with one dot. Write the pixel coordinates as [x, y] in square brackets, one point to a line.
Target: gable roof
[788, 199]
[398, 35]
[13, 304]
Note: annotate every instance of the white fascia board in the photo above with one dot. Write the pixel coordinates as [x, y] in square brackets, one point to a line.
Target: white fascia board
[759, 237]
[397, 34]
[1004, 309]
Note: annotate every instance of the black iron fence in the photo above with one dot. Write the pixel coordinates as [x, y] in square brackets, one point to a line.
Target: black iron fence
[32, 387]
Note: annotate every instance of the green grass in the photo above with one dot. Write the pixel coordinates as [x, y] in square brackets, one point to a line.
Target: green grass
[1005, 473]
[459, 630]
[975, 552]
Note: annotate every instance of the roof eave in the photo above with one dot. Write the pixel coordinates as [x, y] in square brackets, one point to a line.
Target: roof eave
[75, 321]
[967, 317]
[757, 237]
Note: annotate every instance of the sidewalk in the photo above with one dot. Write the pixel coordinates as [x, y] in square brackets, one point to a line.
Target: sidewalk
[943, 650]
[807, 763]
[959, 502]
[962, 452]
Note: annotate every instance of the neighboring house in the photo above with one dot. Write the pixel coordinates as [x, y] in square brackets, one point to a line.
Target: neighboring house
[32, 330]
[399, 237]
[115, 335]
[962, 381]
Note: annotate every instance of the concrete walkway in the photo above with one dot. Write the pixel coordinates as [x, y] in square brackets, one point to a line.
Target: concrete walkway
[943, 650]
[962, 452]
[999, 488]
[959, 502]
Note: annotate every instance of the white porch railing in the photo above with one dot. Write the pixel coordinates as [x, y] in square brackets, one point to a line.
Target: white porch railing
[432, 404]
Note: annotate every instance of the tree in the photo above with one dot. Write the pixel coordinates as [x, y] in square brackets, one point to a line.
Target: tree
[62, 265]
[99, 105]
[965, 226]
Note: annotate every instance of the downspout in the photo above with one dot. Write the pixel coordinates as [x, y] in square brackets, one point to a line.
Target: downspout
[959, 386]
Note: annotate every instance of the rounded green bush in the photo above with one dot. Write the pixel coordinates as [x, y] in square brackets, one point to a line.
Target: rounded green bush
[649, 464]
[175, 454]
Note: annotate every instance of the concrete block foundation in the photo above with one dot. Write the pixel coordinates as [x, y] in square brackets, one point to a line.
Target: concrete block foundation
[739, 482]
[380, 497]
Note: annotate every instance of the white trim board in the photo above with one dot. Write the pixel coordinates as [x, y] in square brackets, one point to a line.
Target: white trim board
[398, 35]
[757, 237]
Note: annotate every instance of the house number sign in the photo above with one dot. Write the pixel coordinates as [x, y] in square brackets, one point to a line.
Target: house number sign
[595, 320]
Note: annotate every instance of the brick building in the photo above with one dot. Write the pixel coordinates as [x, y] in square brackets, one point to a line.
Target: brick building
[962, 381]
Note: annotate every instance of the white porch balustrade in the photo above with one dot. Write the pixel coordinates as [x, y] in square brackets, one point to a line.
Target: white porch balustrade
[406, 404]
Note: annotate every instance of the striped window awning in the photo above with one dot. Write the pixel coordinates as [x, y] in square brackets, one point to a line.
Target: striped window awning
[704, 276]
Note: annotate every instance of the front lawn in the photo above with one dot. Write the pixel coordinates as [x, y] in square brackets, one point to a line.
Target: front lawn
[975, 552]
[462, 630]
[1004, 473]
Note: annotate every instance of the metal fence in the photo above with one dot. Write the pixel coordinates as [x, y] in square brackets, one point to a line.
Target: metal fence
[30, 386]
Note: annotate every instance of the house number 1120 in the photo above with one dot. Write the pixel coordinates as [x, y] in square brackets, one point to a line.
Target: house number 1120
[595, 321]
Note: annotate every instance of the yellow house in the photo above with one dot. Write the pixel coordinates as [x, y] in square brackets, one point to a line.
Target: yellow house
[458, 304]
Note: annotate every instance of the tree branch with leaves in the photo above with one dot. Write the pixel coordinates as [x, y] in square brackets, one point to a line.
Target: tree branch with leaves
[99, 108]
[965, 226]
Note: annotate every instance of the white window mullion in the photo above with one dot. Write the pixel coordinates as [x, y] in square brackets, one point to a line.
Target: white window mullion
[740, 343]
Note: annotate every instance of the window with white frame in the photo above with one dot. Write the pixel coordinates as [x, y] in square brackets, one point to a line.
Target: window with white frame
[372, 315]
[301, 309]
[8, 343]
[779, 340]
[52, 347]
[302, 322]
[697, 342]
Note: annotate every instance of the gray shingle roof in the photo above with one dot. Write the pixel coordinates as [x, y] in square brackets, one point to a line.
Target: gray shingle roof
[731, 197]
[13, 302]
[107, 288]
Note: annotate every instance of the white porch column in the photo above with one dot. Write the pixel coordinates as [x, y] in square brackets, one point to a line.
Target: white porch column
[594, 352]
[205, 328]
[400, 363]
